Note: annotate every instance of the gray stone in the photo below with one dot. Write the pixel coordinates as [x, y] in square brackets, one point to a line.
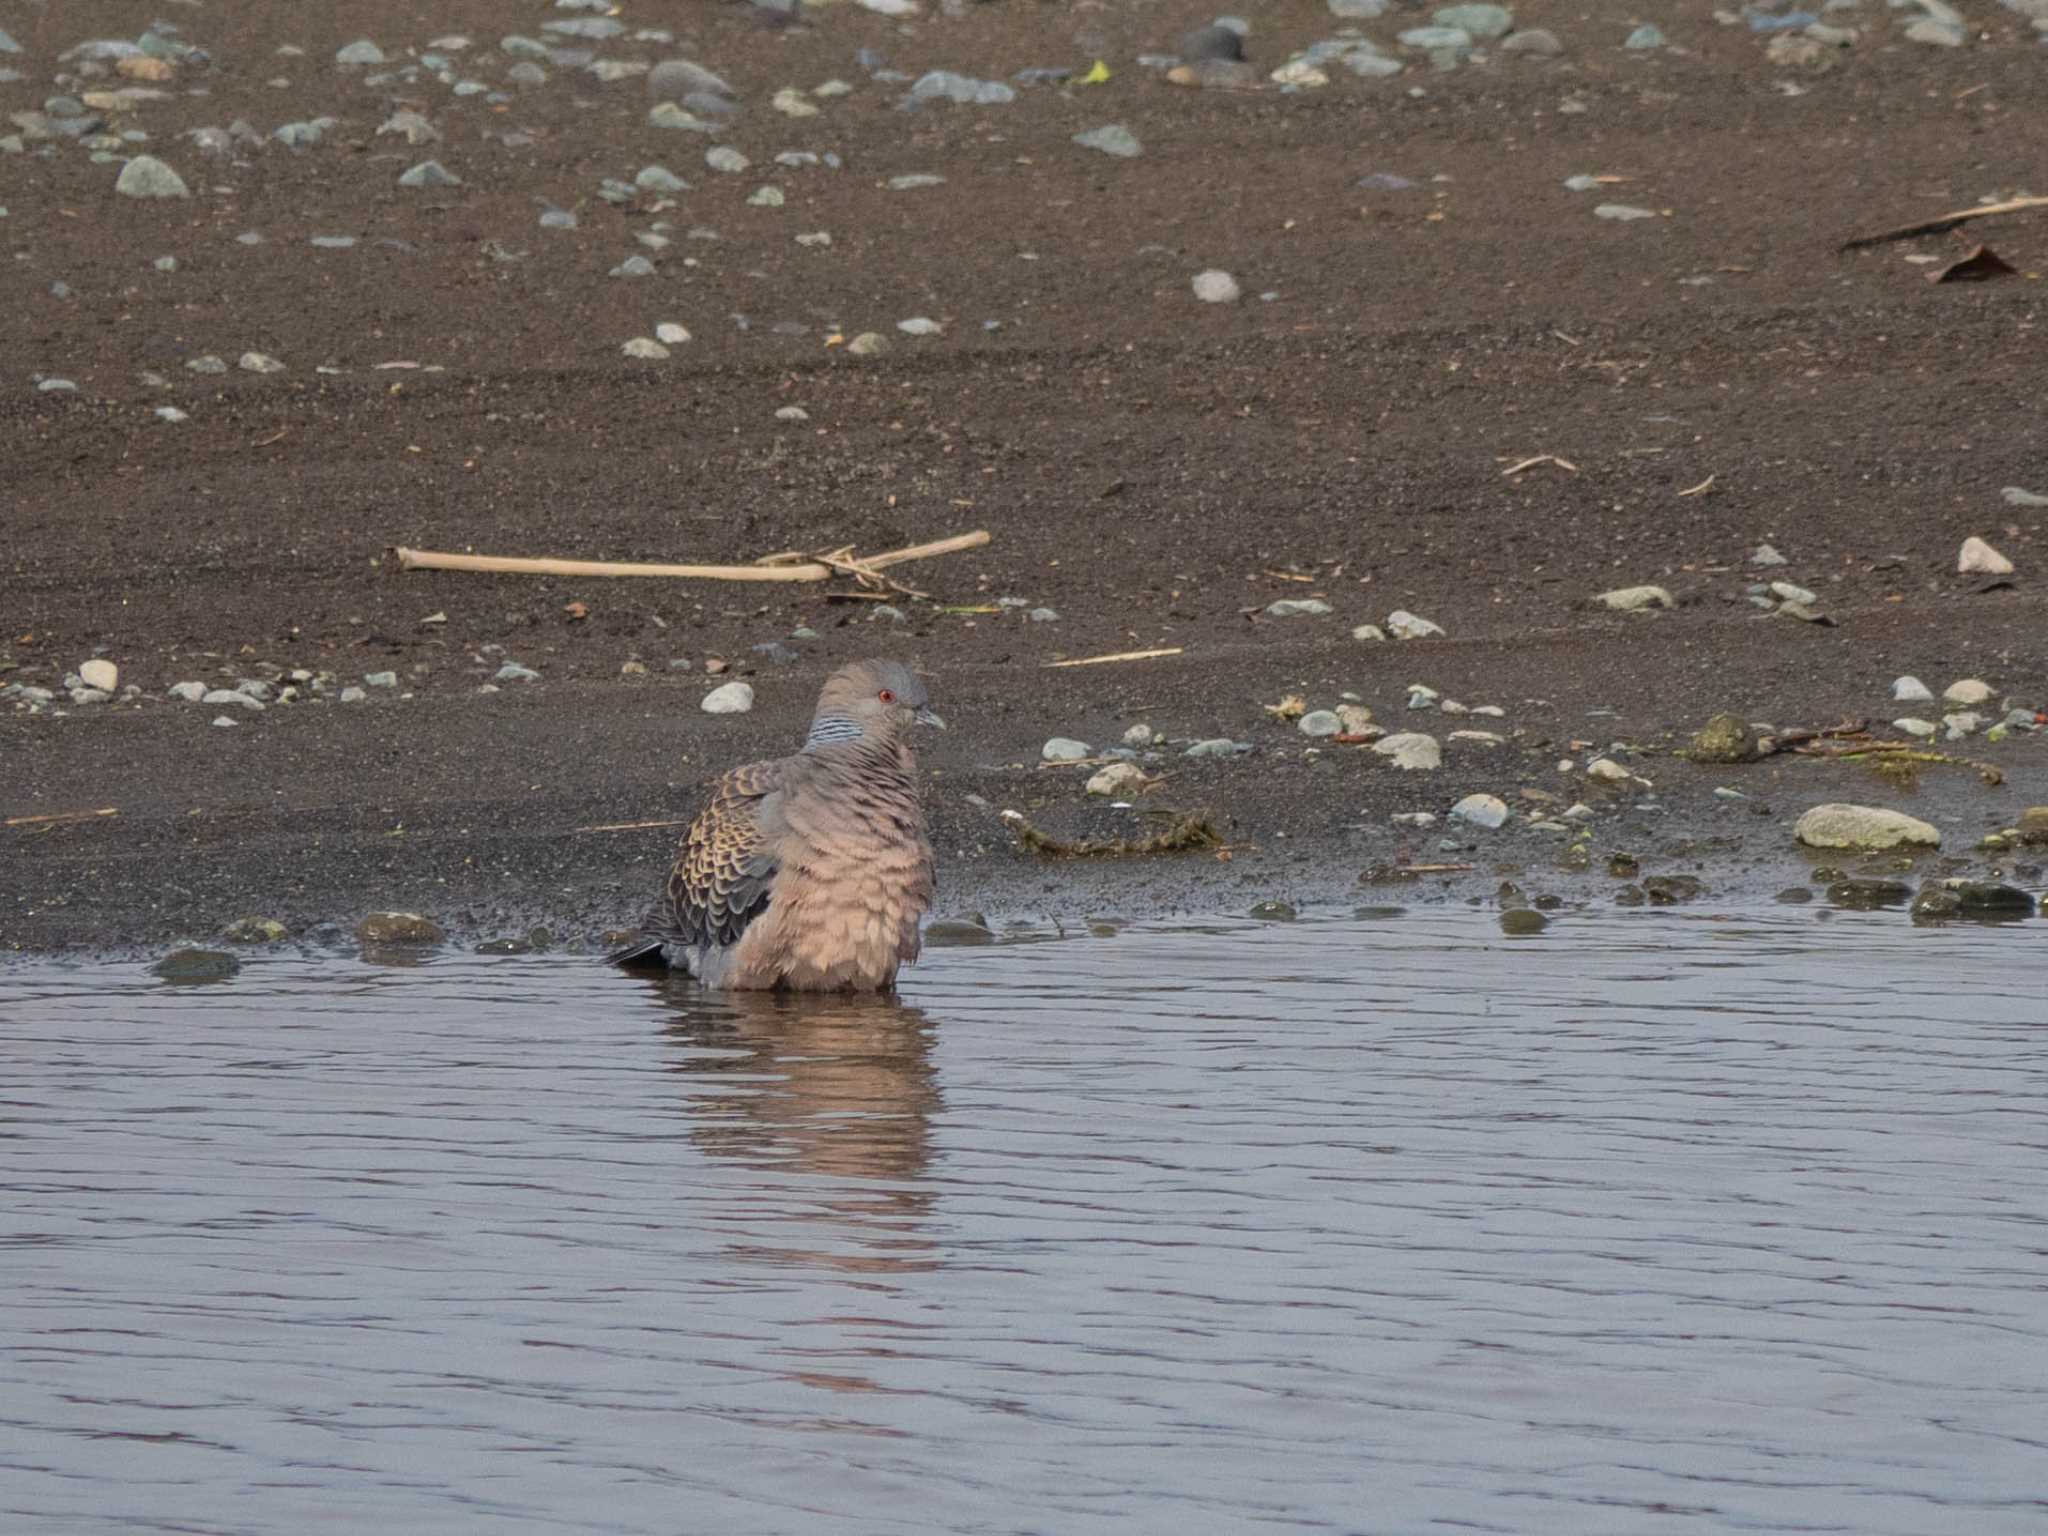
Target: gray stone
[731, 699]
[1634, 599]
[1480, 21]
[726, 159]
[401, 929]
[1437, 39]
[1926, 730]
[634, 266]
[674, 79]
[1727, 738]
[353, 695]
[920, 325]
[659, 178]
[513, 672]
[99, 673]
[963, 90]
[1115, 779]
[914, 181]
[1863, 826]
[430, 173]
[1320, 722]
[1064, 749]
[218, 696]
[667, 114]
[147, 176]
[1112, 139]
[189, 693]
[1766, 556]
[1215, 746]
[645, 347]
[767, 197]
[591, 29]
[1216, 287]
[1537, 42]
[2018, 497]
[1368, 632]
[1645, 37]
[359, 53]
[1296, 608]
[410, 126]
[1938, 33]
[259, 362]
[1411, 750]
[1622, 213]
[1488, 811]
[1967, 691]
[1359, 10]
[187, 967]
[1403, 625]
[867, 344]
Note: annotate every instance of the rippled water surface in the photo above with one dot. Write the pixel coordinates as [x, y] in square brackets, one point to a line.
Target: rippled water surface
[1662, 1224]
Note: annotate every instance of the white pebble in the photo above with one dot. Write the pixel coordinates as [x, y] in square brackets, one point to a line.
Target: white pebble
[1064, 749]
[1487, 811]
[730, 699]
[1217, 287]
[1980, 559]
[1968, 690]
[1910, 690]
[1403, 625]
[99, 673]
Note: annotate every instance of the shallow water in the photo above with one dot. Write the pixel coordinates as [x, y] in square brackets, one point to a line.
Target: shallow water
[1664, 1222]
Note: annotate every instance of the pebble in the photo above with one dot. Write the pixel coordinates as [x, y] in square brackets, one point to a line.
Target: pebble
[430, 173]
[1537, 42]
[1488, 811]
[1607, 768]
[1422, 820]
[1413, 750]
[1403, 625]
[1215, 746]
[1622, 212]
[230, 696]
[790, 413]
[1862, 826]
[147, 176]
[667, 114]
[224, 720]
[673, 79]
[1320, 722]
[1216, 287]
[259, 362]
[1910, 690]
[1368, 632]
[1962, 723]
[2019, 497]
[919, 325]
[791, 102]
[645, 347]
[1140, 736]
[1359, 10]
[406, 928]
[1356, 720]
[726, 159]
[1422, 696]
[912, 182]
[513, 672]
[963, 90]
[1112, 139]
[1967, 691]
[1765, 555]
[1437, 39]
[1937, 32]
[360, 52]
[1634, 599]
[353, 695]
[1296, 608]
[255, 930]
[1978, 558]
[99, 673]
[1645, 37]
[1481, 21]
[769, 196]
[729, 699]
[634, 266]
[1043, 615]
[184, 967]
[1115, 778]
[1064, 749]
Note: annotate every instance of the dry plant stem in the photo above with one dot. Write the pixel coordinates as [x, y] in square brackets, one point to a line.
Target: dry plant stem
[57, 816]
[1946, 221]
[633, 826]
[1900, 751]
[808, 568]
[1096, 661]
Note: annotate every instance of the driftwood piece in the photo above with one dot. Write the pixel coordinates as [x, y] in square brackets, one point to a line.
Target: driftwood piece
[775, 568]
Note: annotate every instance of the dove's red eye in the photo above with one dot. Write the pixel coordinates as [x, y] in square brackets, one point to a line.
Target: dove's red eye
[886, 696]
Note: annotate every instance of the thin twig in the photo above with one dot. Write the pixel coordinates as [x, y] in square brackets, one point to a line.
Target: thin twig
[633, 826]
[1091, 661]
[1946, 221]
[1697, 490]
[55, 816]
[1541, 458]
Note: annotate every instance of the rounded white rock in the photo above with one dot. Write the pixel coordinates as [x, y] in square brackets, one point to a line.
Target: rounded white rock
[729, 699]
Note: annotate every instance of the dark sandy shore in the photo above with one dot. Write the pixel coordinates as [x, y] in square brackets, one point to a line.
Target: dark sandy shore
[1154, 469]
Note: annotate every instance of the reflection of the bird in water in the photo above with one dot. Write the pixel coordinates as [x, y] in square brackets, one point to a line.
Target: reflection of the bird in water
[834, 1095]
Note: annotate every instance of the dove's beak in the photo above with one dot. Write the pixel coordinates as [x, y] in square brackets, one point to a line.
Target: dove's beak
[926, 715]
